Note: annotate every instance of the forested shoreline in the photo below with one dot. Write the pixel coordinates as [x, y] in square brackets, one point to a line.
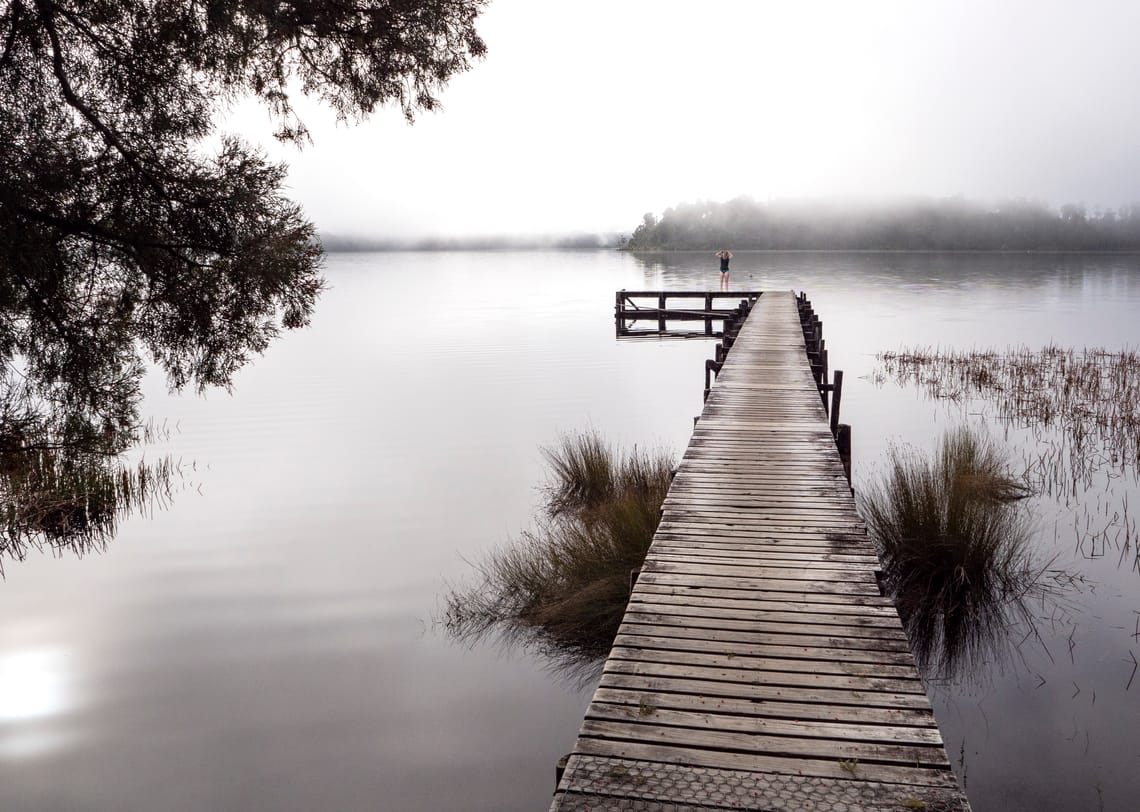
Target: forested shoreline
[580, 241]
[909, 225]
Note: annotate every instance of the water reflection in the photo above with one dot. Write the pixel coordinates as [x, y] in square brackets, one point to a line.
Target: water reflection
[577, 659]
[965, 633]
[68, 499]
[32, 684]
[35, 693]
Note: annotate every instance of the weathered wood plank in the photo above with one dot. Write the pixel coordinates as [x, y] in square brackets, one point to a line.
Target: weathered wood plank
[706, 653]
[837, 580]
[589, 744]
[720, 730]
[917, 727]
[758, 552]
[770, 588]
[807, 539]
[743, 557]
[790, 643]
[857, 660]
[832, 704]
[777, 527]
[770, 611]
[698, 596]
[780, 634]
[712, 616]
[721, 668]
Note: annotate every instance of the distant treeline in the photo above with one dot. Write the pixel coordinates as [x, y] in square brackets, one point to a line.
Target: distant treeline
[564, 242]
[910, 225]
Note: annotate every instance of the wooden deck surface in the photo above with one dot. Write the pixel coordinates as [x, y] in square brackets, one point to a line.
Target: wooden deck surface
[757, 666]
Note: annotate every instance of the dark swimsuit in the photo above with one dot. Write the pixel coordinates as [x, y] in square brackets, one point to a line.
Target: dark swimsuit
[724, 264]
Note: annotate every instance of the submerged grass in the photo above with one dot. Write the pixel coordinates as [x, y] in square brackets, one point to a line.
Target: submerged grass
[563, 587]
[954, 545]
[1082, 409]
[1091, 397]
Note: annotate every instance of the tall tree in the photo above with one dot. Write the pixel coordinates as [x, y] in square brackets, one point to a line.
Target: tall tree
[121, 237]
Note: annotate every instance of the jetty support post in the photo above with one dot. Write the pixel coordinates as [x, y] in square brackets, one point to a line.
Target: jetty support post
[843, 444]
[836, 396]
[731, 328]
[713, 367]
[840, 431]
[560, 770]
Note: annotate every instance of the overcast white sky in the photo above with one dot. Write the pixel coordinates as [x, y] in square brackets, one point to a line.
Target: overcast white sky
[588, 113]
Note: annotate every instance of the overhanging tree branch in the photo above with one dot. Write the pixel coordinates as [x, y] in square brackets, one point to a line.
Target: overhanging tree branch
[47, 15]
[120, 241]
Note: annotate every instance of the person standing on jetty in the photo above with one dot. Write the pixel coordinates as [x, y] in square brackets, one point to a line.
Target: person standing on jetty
[724, 255]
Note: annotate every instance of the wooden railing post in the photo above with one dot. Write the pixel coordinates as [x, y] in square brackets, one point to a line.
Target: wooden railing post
[712, 367]
[661, 313]
[843, 443]
[836, 394]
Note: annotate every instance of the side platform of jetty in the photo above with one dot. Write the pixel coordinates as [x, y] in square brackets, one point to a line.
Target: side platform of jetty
[758, 666]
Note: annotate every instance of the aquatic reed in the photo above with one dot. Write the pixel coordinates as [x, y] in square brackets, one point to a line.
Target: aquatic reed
[562, 588]
[954, 545]
[1090, 397]
[1082, 409]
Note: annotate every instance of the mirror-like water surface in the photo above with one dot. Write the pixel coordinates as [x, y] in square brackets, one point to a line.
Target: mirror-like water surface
[267, 640]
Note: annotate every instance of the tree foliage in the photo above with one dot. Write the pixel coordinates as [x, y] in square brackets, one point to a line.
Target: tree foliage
[908, 225]
[119, 230]
[122, 237]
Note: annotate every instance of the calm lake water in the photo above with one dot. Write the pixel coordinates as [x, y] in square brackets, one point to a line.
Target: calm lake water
[269, 640]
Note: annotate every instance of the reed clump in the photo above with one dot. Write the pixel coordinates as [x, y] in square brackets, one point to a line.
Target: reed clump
[1083, 405]
[562, 588]
[1082, 410]
[954, 545]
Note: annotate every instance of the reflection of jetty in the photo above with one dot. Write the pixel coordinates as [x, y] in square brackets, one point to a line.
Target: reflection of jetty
[757, 666]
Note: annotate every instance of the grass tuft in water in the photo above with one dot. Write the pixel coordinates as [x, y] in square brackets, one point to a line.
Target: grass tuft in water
[954, 545]
[562, 588]
[1091, 397]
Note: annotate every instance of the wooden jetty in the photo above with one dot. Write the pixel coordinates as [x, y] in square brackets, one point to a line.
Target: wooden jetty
[758, 666]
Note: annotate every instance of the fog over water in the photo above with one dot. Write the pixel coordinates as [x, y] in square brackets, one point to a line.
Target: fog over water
[586, 114]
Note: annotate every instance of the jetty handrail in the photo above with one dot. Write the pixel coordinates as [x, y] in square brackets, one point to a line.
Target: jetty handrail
[628, 311]
[694, 294]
